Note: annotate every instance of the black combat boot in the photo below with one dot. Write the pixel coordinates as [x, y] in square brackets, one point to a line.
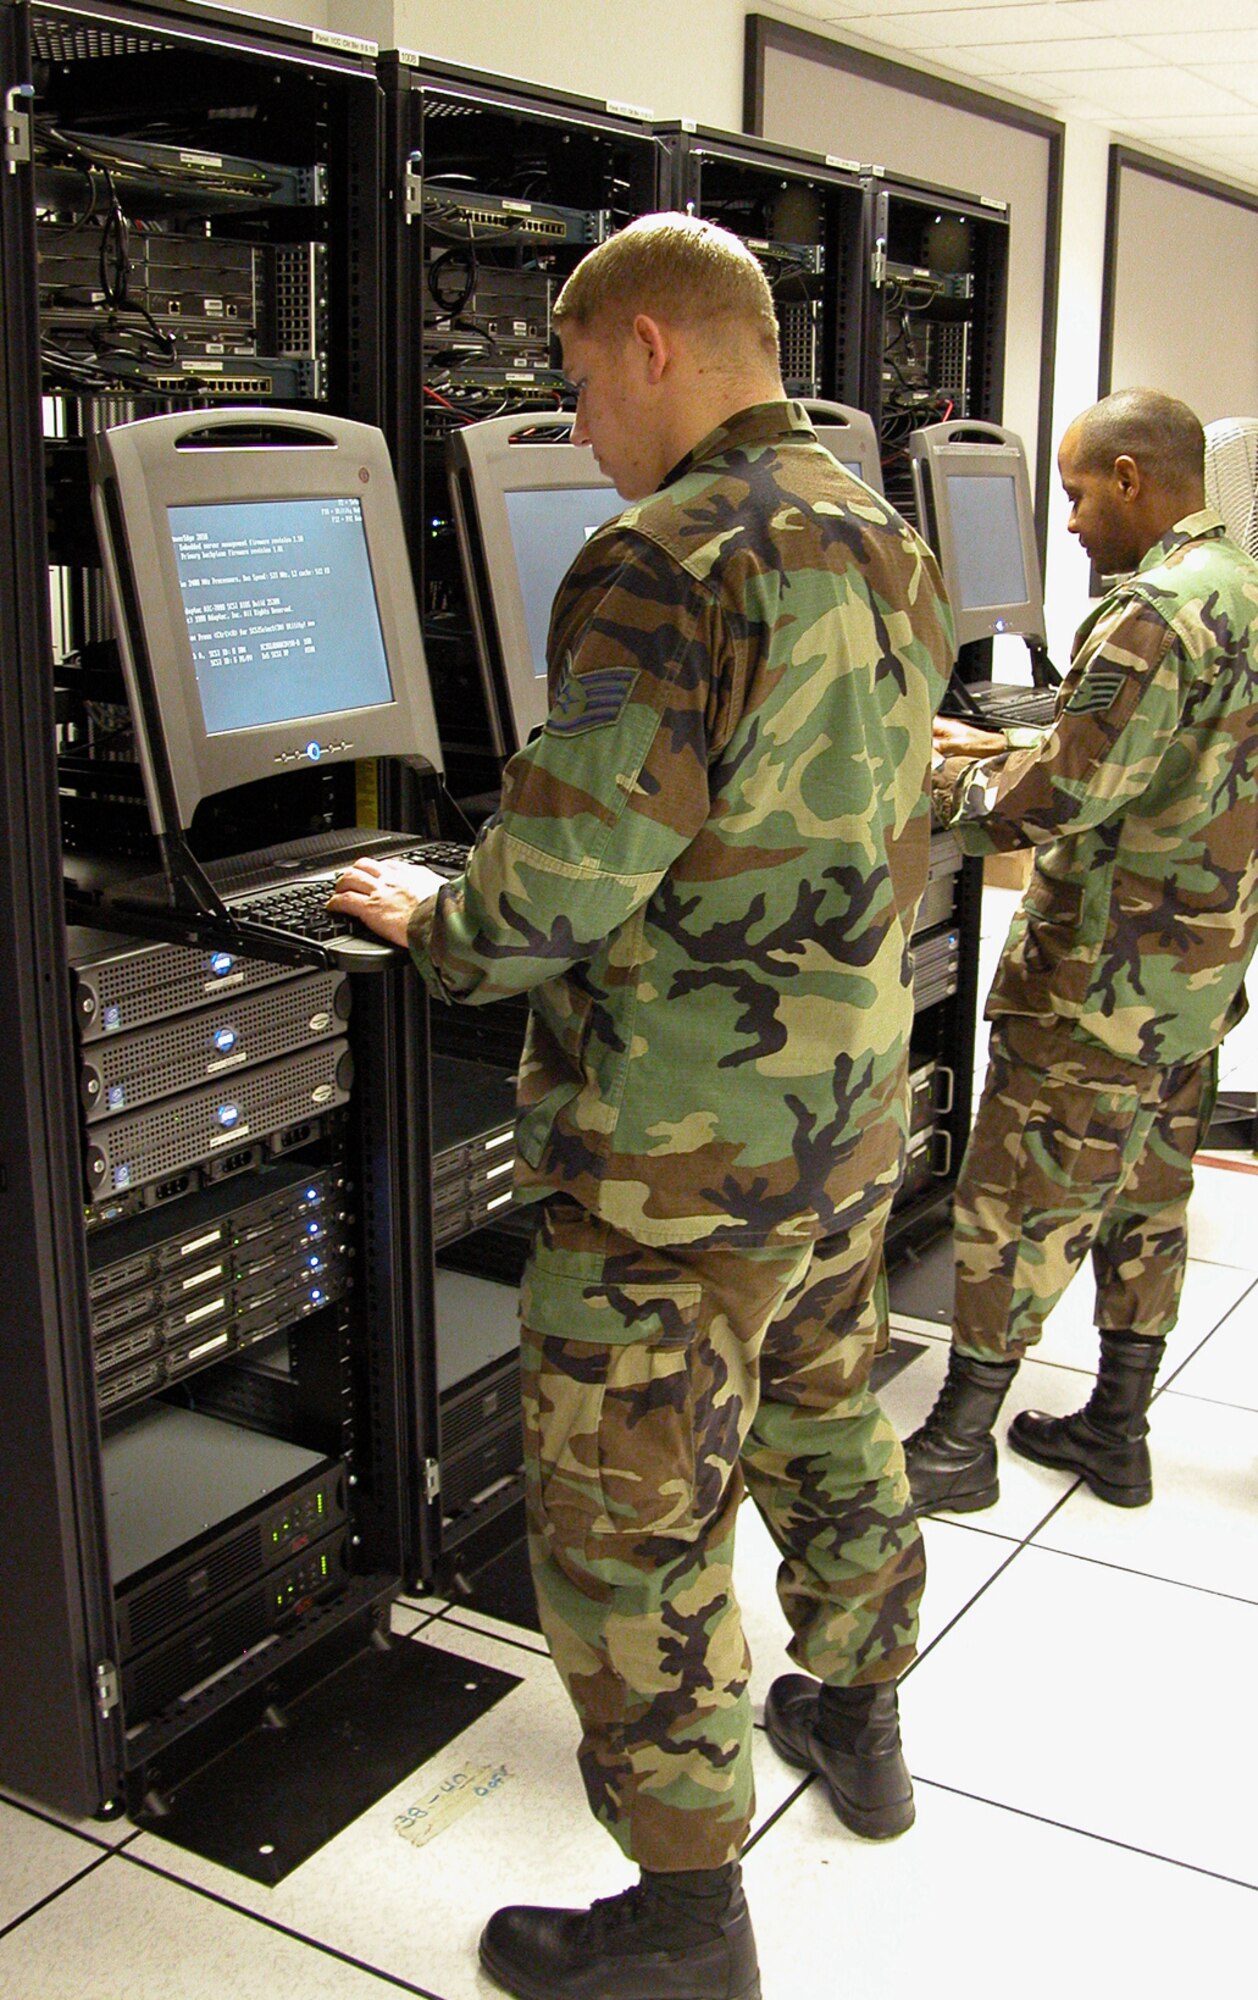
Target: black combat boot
[670, 1937]
[951, 1458]
[851, 1738]
[1105, 1441]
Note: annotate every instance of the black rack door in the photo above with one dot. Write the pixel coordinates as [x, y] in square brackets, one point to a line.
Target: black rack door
[55, 1732]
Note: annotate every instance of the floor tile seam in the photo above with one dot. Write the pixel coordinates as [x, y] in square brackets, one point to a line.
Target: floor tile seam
[540, 1649]
[1218, 1326]
[1212, 1402]
[1147, 1575]
[957, 1616]
[479, 1632]
[46, 1817]
[53, 1895]
[1085, 1833]
[1018, 1548]
[225, 1902]
[975, 1528]
[779, 1812]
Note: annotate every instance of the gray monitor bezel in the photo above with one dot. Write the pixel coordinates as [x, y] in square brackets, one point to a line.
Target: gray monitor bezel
[940, 452]
[851, 436]
[139, 470]
[484, 465]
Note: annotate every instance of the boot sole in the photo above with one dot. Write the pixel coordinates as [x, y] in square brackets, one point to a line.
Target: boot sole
[973, 1502]
[1117, 1496]
[881, 1823]
[528, 1989]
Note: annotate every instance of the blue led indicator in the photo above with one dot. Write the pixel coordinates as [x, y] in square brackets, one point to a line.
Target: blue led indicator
[220, 963]
[314, 751]
[224, 1039]
[228, 1115]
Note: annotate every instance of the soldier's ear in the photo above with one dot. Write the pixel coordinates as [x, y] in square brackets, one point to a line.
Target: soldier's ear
[654, 345]
[1127, 476]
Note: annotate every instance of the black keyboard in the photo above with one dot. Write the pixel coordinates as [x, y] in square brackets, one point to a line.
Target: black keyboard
[1031, 707]
[299, 906]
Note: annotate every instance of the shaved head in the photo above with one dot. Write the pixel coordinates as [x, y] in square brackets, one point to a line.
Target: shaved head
[1162, 435]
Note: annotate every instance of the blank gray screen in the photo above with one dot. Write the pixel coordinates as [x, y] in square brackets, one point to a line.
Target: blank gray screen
[549, 527]
[987, 541]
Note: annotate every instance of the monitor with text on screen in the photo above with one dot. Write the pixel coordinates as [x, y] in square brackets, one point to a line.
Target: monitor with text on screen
[262, 594]
[525, 502]
[974, 501]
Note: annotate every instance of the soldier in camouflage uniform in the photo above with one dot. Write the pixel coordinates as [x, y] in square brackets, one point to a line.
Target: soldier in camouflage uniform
[704, 873]
[1125, 963]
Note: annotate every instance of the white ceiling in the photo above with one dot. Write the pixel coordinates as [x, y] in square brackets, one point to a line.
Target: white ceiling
[1177, 78]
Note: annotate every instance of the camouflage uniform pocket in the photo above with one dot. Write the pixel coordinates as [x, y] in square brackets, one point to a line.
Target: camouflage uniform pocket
[609, 1406]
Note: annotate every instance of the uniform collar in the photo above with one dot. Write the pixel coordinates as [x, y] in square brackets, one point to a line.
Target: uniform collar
[1204, 525]
[760, 423]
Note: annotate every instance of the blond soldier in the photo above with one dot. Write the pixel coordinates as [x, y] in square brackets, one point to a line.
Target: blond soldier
[704, 873]
[1124, 967]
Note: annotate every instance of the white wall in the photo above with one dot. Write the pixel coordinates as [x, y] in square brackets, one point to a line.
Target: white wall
[307, 13]
[673, 58]
[1085, 176]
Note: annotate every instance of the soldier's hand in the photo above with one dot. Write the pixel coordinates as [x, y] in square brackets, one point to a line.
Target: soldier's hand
[954, 738]
[384, 895]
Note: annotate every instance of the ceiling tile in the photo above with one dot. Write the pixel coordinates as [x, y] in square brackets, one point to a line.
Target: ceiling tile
[954, 27]
[1155, 17]
[1193, 126]
[1146, 92]
[1207, 45]
[1239, 78]
[1028, 57]
[872, 10]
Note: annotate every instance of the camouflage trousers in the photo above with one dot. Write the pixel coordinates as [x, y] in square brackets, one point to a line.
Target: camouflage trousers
[659, 1385]
[1074, 1151]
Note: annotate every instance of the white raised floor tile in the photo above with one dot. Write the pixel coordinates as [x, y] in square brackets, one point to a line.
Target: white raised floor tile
[1113, 1703]
[979, 1903]
[1201, 1527]
[36, 1859]
[125, 1933]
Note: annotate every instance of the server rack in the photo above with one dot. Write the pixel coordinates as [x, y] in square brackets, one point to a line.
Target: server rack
[804, 216]
[189, 213]
[934, 332]
[496, 188]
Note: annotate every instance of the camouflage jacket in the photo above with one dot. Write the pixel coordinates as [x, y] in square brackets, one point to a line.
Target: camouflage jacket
[705, 867]
[1142, 805]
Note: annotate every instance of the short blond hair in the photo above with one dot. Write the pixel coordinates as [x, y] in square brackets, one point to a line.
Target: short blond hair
[677, 268]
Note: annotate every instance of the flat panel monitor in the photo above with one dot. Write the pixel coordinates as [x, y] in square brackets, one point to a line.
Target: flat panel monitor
[849, 435]
[974, 501]
[525, 502]
[262, 593]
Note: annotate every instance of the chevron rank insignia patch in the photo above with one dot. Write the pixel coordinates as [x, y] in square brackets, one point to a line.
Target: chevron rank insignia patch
[590, 701]
[1097, 691]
